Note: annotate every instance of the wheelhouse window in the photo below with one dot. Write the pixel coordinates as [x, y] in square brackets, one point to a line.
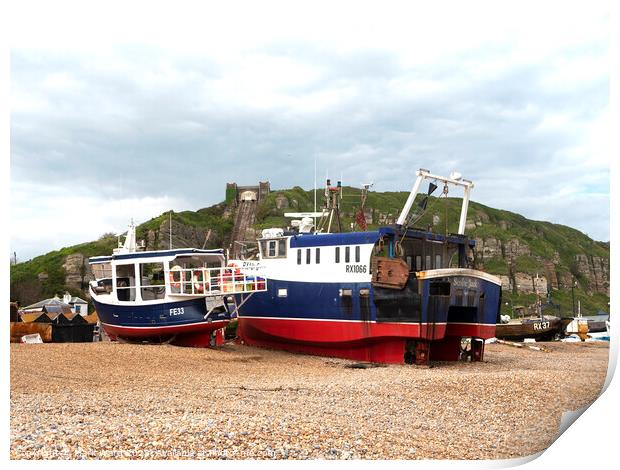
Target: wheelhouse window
[337, 254]
[299, 256]
[357, 254]
[125, 282]
[152, 281]
[102, 271]
[347, 254]
[273, 248]
[307, 255]
[438, 262]
[318, 256]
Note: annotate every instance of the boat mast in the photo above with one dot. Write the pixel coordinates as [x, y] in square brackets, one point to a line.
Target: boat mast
[332, 206]
[130, 241]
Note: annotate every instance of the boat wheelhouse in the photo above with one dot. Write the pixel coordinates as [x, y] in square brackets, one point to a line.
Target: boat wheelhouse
[183, 296]
[391, 295]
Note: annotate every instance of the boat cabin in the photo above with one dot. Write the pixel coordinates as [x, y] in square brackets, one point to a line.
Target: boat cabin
[147, 276]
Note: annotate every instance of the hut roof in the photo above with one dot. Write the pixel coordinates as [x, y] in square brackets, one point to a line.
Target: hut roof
[47, 302]
[92, 318]
[43, 318]
[53, 309]
[70, 318]
[29, 317]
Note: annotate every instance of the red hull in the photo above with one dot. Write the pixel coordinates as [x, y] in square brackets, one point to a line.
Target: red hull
[362, 341]
[194, 335]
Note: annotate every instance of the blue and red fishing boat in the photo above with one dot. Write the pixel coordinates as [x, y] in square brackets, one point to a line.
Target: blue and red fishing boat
[394, 295]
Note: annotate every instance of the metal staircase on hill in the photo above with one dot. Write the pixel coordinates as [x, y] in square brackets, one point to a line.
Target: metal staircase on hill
[246, 215]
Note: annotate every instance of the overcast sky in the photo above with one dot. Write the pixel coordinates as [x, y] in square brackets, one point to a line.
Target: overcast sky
[130, 110]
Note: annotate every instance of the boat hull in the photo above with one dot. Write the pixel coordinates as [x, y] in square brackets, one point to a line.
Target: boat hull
[181, 323]
[372, 324]
[537, 329]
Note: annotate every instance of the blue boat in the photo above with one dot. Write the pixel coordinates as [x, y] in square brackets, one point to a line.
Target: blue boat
[183, 296]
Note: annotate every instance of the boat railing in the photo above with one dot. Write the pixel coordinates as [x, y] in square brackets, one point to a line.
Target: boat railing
[213, 281]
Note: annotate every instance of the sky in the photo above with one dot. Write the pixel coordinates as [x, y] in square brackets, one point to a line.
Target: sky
[123, 111]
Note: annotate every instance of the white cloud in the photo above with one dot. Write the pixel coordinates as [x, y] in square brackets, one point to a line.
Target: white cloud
[47, 217]
[513, 95]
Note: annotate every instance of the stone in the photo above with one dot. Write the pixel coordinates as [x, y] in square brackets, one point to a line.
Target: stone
[514, 248]
[506, 282]
[281, 202]
[489, 247]
[596, 271]
[550, 274]
[523, 283]
[184, 236]
[75, 269]
[540, 285]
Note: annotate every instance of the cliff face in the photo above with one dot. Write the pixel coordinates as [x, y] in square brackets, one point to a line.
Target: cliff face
[183, 236]
[77, 271]
[548, 274]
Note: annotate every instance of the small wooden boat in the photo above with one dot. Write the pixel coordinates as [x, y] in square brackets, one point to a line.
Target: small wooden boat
[540, 328]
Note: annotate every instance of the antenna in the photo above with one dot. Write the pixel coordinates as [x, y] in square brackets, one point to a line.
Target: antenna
[170, 229]
[315, 190]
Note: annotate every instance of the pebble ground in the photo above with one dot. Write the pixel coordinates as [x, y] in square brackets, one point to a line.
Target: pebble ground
[123, 401]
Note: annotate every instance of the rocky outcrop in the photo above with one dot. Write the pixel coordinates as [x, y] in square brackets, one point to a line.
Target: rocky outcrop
[595, 270]
[281, 202]
[551, 274]
[565, 279]
[183, 236]
[540, 284]
[523, 283]
[488, 248]
[492, 247]
[506, 283]
[75, 267]
[514, 248]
